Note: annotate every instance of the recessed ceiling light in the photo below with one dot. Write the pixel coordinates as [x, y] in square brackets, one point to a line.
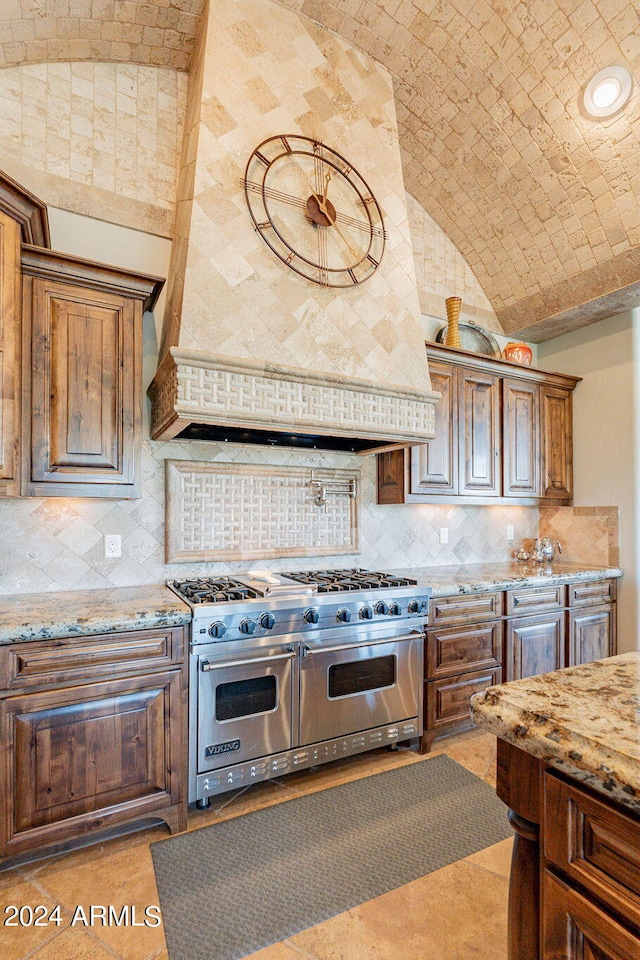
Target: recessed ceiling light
[608, 91]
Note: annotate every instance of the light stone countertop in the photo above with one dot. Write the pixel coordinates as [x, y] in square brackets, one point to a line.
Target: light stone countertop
[464, 578]
[584, 720]
[43, 616]
[46, 616]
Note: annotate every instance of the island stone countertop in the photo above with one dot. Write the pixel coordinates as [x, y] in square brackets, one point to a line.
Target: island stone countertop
[48, 616]
[462, 578]
[584, 720]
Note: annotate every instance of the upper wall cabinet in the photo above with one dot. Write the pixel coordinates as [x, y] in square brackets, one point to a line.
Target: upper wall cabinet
[23, 218]
[9, 353]
[82, 369]
[503, 435]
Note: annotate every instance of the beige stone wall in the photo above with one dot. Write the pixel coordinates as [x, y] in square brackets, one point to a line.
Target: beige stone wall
[100, 139]
[442, 271]
[268, 71]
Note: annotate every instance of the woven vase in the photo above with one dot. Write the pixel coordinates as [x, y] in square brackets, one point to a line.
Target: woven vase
[452, 337]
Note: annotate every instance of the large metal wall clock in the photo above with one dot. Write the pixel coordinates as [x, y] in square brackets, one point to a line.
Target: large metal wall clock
[314, 210]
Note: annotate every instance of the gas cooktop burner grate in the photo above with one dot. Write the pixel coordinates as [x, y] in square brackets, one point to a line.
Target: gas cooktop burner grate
[336, 581]
[214, 591]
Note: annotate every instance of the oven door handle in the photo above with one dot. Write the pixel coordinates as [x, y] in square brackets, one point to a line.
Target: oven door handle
[206, 665]
[308, 651]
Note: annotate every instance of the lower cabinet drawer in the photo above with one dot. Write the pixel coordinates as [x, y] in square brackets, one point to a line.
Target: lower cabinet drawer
[82, 659]
[599, 591]
[465, 608]
[574, 928]
[594, 845]
[452, 649]
[448, 701]
[528, 600]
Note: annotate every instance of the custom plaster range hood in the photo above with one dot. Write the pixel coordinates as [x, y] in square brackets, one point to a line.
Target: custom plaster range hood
[212, 397]
[251, 352]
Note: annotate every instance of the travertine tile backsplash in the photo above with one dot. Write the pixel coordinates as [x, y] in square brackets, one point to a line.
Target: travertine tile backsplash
[587, 534]
[57, 544]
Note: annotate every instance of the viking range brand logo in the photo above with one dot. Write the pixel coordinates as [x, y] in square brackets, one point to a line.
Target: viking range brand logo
[215, 749]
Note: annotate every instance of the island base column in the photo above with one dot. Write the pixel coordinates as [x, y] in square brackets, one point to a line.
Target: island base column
[519, 779]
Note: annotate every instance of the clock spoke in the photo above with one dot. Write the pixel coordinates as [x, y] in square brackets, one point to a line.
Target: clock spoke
[364, 225]
[274, 194]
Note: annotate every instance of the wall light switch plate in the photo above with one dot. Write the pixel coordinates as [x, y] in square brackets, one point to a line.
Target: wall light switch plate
[510, 533]
[444, 534]
[112, 546]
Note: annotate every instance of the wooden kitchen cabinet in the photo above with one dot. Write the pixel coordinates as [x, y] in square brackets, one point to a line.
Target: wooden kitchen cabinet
[533, 645]
[93, 734]
[82, 343]
[10, 385]
[463, 656]
[478, 433]
[503, 434]
[434, 465]
[574, 889]
[23, 218]
[554, 626]
[590, 889]
[521, 431]
[473, 641]
[70, 363]
[557, 440]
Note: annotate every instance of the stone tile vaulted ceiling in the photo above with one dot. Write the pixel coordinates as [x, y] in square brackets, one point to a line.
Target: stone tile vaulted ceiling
[543, 202]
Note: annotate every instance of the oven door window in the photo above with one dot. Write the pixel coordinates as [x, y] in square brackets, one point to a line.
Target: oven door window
[359, 676]
[246, 698]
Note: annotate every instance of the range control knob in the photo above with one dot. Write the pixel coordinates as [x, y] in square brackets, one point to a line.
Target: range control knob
[247, 626]
[343, 616]
[311, 615]
[382, 607]
[394, 609]
[366, 613]
[414, 606]
[268, 621]
[217, 629]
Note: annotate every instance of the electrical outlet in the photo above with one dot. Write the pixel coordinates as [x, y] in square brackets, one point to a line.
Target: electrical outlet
[444, 534]
[510, 532]
[112, 546]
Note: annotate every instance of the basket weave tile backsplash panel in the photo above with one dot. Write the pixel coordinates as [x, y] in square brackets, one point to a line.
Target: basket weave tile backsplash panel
[234, 511]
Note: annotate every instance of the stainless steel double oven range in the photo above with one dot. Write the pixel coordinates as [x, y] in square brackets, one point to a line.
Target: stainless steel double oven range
[290, 671]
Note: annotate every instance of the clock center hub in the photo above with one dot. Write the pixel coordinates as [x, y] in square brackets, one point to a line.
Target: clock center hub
[317, 215]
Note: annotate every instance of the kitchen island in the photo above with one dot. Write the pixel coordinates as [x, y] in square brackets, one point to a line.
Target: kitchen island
[569, 770]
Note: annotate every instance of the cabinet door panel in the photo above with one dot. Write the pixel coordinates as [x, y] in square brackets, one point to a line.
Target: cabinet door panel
[534, 645]
[450, 650]
[434, 464]
[575, 929]
[85, 368]
[448, 703]
[9, 351]
[557, 441]
[521, 452]
[479, 434]
[594, 844]
[87, 757]
[591, 634]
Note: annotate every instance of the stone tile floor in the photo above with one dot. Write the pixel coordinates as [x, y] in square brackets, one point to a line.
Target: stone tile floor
[456, 913]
